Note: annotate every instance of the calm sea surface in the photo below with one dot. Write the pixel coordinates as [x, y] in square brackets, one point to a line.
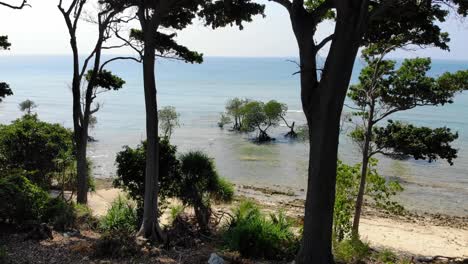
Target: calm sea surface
[199, 93]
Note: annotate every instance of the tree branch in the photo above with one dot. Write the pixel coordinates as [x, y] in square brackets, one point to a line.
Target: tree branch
[118, 58]
[323, 42]
[284, 3]
[23, 4]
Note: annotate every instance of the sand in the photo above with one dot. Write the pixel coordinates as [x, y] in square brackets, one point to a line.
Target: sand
[417, 238]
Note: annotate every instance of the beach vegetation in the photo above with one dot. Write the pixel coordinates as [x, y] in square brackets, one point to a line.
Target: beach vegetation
[224, 120]
[255, 234]
[168, 120]
[235, 109]
[121, 217]
[199, 184]
[379, 191]
[383, 91]
[34, 146]
[262, 116]
[324, 83]
[351, 250]
[88, 82]
[153, 40]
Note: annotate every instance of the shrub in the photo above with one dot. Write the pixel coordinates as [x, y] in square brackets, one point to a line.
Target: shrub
[351, 250]
[84, 217]
[255, 235]
[386, 257]
[176, 210]
[199, 183]
[379, 190]
[131, 164]
[32, 145]
[59, 214]
[3, 254]
[21, 200]
[121, 217]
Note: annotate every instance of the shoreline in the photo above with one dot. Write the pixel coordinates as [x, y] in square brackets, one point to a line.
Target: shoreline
[412, 234]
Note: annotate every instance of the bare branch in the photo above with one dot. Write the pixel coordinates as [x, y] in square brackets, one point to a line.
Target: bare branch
[323, 42]
[119, 58]
[23, 4]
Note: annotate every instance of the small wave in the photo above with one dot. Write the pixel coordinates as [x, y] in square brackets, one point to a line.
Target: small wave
[294, 111]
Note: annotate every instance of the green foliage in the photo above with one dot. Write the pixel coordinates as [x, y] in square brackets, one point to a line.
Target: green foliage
[121, 217]
[379, 190]
[168, 120]
[255, 235]
[175, 211]
[131, 164]
[235, 109]
[262, 116]
[21, 200]
[386, 257]
[417, 142]
[351, 250]
[27, 106]
[32, 145]
[4, 90]
[199, 183]
[59, 214]
[105, 79]
[224, 120]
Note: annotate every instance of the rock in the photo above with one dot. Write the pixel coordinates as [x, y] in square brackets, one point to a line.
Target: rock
[215, 259]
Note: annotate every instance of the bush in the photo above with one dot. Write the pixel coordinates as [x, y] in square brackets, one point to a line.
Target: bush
[32, 145]
[379, 190]
[59, 214]
[386, 257]
[176, 210]
[121, 217]
[131, 164]
[21, 200]
[255, 235]
[199, 183]
[351, 250]
[84, 217]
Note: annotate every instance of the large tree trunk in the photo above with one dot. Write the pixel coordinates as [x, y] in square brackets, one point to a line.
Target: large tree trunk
[82, 168]
[364, 168]
[322, 103]
[150, 226]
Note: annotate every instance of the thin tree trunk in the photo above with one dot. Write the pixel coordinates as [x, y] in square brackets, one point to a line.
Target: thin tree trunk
[322, 104]
[364, 168]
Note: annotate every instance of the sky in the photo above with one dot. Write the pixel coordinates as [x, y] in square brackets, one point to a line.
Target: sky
[41, 30]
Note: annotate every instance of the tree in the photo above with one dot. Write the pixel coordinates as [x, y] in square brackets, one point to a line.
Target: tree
[33, 146]
[5, 89]
[27, 106]
[154, 16]
[383, 91]
[234, 108]
[93, 81]
[169, 119]
[223, 120]
[291, 133]
[261, 116]
[323, 87]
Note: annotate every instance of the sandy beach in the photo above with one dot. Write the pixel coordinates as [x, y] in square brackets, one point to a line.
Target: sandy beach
[419, 236]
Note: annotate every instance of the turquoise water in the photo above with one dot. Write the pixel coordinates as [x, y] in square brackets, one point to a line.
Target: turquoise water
[199, 93]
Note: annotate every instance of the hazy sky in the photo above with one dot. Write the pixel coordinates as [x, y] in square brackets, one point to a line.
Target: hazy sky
[41, 30]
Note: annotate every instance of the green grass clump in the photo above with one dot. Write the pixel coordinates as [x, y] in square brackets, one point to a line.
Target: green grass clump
[351, 250]
[386, 256]
[175, 211]
[122, 216]
[254, 234]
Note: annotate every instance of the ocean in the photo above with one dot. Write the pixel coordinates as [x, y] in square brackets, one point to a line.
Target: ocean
[199, 93]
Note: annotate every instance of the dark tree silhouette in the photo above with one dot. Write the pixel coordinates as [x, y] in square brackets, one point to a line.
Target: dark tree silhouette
[357, 22]
[94, 80]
